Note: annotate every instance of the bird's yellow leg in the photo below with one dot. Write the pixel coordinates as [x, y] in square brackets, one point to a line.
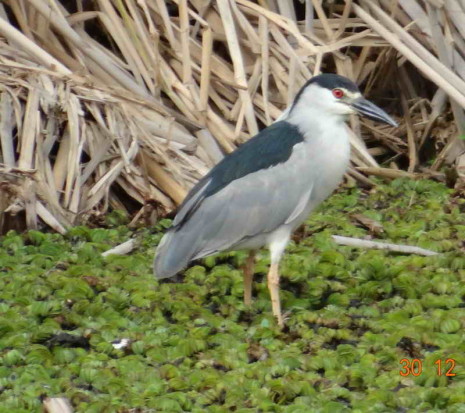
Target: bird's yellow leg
[248, 277]
[273, 286]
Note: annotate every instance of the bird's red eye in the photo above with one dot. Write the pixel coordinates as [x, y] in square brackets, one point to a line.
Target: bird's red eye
[338, 93]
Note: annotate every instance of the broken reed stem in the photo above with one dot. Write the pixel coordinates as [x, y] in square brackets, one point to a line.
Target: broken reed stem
[361, 243]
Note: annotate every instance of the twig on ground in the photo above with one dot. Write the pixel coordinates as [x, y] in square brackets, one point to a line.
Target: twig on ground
[57, 405]
[121, 249]
[361, 243]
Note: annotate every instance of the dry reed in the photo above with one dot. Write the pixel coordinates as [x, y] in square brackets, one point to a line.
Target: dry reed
[126, 104]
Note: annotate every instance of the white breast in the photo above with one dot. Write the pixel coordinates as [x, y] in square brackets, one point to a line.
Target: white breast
[323, 159]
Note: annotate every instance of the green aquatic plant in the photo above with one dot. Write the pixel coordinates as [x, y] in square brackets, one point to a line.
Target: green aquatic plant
[353, 316]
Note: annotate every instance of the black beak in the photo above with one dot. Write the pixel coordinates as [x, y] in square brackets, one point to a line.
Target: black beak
[370, 110]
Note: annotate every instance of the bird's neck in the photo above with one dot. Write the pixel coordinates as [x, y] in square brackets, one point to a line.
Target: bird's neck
[312, 123]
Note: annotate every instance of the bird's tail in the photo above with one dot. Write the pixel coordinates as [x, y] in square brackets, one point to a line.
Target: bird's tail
[173, 254]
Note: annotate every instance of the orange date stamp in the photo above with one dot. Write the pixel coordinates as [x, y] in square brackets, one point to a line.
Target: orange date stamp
[415, 367]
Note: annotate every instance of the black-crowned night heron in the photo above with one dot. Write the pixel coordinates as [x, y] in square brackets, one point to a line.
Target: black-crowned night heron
[259, 194]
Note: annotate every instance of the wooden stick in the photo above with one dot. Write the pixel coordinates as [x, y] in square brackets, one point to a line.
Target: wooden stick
[412, 151]
[388, 173]
[207, 45]
[121, 249]
[30, 125]
[49, 219]
[6, 129]
[263, 31]
[185, 40]
[166, 182]
[236, 56]
[57, 405]
[361, 243]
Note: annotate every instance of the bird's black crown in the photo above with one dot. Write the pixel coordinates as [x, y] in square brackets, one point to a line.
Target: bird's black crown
[328, 81]
[332, 81]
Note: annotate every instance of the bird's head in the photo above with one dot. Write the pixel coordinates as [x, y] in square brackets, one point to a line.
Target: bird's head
[334, 95]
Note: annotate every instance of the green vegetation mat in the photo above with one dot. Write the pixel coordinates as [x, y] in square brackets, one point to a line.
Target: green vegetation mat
[352, 316]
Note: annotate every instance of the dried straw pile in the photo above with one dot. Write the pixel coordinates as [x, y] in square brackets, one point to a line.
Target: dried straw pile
[125, 104]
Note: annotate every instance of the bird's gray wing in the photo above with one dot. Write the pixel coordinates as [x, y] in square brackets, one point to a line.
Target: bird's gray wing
[272, 146]
[255, 204]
